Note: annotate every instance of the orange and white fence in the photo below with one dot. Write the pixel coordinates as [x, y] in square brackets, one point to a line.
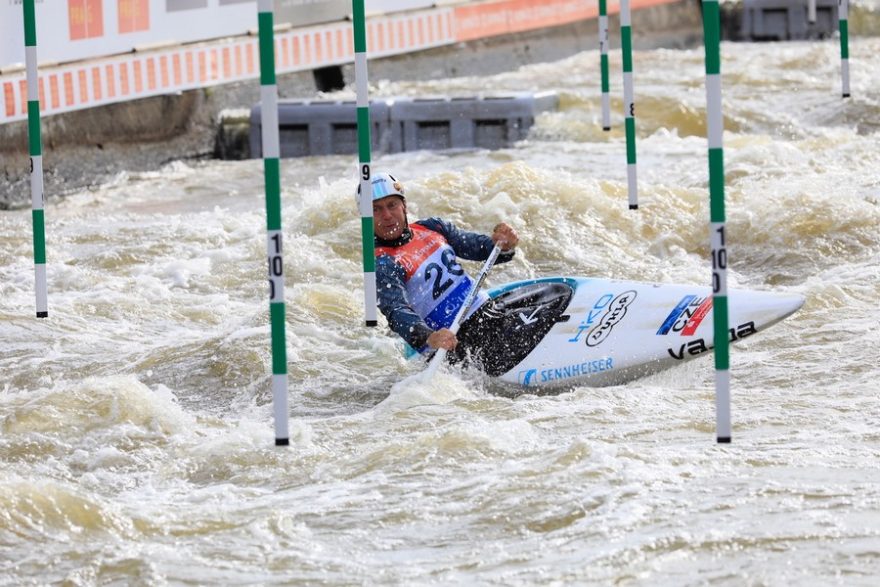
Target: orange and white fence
[96, 82]
[121, 78]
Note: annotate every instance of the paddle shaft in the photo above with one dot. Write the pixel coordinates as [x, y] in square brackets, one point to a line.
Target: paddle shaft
[440, 355]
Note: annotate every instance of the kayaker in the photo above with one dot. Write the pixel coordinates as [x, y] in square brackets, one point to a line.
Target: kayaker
[419, 282]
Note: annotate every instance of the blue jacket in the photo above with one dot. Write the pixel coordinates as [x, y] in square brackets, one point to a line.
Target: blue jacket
[391, 276]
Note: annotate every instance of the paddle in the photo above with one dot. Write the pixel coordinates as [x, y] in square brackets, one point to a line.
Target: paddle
[440, 355]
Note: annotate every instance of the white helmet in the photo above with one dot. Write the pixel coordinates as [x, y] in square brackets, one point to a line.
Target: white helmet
[384, 185]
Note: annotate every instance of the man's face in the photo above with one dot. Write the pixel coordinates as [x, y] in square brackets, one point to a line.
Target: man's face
[389, 217]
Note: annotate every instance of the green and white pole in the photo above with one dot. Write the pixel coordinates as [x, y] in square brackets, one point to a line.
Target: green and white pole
[365, 202]
[603, 64]
[718, 241]
[843, 15]
[274, 238]
[35, 147]
[629, 104]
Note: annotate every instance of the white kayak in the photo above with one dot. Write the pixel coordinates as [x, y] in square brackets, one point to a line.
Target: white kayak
[566, 331]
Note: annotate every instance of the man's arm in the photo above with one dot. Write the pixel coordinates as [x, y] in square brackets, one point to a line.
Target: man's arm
[470, 245]
[395, 305]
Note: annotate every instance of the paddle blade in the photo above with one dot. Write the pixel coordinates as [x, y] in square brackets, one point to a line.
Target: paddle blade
[434, 364]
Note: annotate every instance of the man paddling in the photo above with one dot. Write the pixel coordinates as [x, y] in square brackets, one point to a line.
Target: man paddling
[419, 283]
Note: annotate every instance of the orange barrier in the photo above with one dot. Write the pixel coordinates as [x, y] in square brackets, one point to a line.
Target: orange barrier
[120, 78]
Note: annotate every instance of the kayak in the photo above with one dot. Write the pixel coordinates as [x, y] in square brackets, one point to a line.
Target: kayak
[568, 331]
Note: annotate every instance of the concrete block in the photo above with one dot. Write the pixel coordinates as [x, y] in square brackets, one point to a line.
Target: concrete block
[320, 127]
[404, 124]
[489, 122]
[784, 20]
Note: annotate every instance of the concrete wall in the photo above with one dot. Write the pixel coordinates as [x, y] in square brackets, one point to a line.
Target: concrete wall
[87, 148]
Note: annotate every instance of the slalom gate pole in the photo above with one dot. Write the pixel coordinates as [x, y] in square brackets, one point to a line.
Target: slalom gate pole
[35, 147]
[718, 241]
[603, 64]
[274, 236]
[365, 202]
[629, 104]
[843, 16]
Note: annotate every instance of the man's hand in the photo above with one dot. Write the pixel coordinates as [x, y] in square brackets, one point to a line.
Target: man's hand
[442, 339]
[505, 237]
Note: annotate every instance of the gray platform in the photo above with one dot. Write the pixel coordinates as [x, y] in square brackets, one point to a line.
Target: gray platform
[785, 20]
[404, 124]
[321, 128]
